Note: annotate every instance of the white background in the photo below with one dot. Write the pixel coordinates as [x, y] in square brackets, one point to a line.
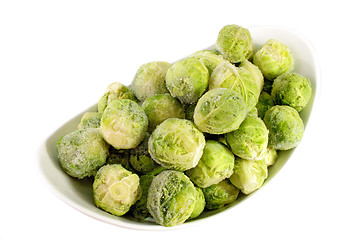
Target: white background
[57, 57]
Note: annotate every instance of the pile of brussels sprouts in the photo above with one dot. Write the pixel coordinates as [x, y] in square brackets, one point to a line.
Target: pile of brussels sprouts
[191, 136]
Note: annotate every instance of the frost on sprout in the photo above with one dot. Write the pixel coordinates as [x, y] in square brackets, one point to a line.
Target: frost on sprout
[176, 144]
[116, 189]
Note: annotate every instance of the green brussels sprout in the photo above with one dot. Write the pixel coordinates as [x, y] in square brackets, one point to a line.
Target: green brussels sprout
[114, 91]
[176, 144]
[269, 156]
[171, 198]
[249, 175]
[140, 158]
[160, 107]
[235, 43]
[199, 203]
[187, 80]
[239, 79]
[219, 111]
[255, 74]
[119, 156]
[220, 194]
[115, 189]
[285, 126]
[291, 89]
[250, 140]
[82, 152]
[209, 58]
[189, 112]
[273, 59]
[265, 102]
[123, 124]
[90, 120]
[216, 164]
[150, 80]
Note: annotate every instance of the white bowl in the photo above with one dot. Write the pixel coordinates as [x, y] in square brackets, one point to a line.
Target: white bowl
[78, 193]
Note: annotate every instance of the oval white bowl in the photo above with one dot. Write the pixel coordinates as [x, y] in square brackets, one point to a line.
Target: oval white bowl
[78, 193]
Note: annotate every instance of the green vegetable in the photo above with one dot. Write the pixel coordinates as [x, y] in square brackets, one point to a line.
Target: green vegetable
[140, 158]
[123, 124]
[82, 152]
[265, 102]
[187, 80]
[220, 194]
[285, 126]
[90, 120]
[115, 189]
[171, 198]
[150, 80]
[216, 164]
[176, 144]
[291, 89]
[219, 111]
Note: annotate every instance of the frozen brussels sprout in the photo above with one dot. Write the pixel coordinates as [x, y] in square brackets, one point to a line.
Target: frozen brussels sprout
[285, 126]
[150, 80]
[113, 92]
[265, 102]
[123, 124]
[270, 156]
[140, 158]
[90, 120]
[216, 164]
[250, 140]
[235, 43]
[199, 203]
[171, 198]
[115, 189]
[255, 74]
[273, 59]
[249, 175]
[82, 152]
[119, 156]
[239, 79]
[176, 144]
[220, 194]
[291, 89]
[187, 80]
[209, 58]
[219, 111]
[189, 112]
[160, 107]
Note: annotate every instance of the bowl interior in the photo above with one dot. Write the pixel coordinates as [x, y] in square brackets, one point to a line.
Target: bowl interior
[78, 193]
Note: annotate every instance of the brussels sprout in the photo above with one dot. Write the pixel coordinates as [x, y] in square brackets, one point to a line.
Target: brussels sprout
[255, 75]
[273, 59]
[114, 91]
[250, 140]
[235, 43]
[220, 194]
[216, 164]
[150, 80]
[123, 124]
[199, 203]
[285, 126]
[171, 198]
[115, 189]
[226, 75]
[119, 156]
[291, 89]
[219, 111]
[187, 80]
[90, 120]
[189, 112]
[209, 58]
[140, 158]
[249, 175]
[82, 152]
[265, 102]
[160, 107]
[176, 144]
[269, 156]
